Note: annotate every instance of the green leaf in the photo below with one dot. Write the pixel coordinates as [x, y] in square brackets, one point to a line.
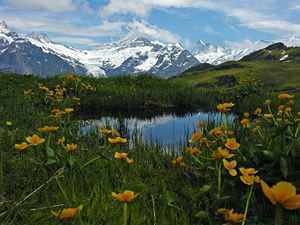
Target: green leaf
[284, 167]
[202, 215]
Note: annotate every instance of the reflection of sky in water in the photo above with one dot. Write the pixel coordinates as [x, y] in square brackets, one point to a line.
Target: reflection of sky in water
[166, 130]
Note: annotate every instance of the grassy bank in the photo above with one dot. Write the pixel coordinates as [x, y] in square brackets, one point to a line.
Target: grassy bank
[62, 169]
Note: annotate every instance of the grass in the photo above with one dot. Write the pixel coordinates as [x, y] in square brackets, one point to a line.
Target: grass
[172, 190]
[273, 74]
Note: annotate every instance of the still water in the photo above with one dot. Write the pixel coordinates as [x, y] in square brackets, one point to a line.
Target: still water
[167, 130]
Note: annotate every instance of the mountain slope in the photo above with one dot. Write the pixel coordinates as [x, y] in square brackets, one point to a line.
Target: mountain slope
[270, 65]
[275, 52]
[215, 55]
[129, 56]
[19, 55]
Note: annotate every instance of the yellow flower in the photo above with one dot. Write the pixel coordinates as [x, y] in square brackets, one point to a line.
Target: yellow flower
[117, 140]
[71, 147]
[196, 137]
[232, 144]
[178, 161]
[48, 129]
[230, 216]
[258, 111]
[230, 166]
[248, 171]
[67, 213]
[248, 176]
[129, 161]
[225, 107]
[217, 132]
[245, 122]
[221, 153]
[283, 193]
[68, 110]
[61, 141]
[8, 123]
[21, 147]
[285, 96]
[110, 132]
[192, 151]
[35, 140]
[126, 196]
[246, 114]
[121, 155]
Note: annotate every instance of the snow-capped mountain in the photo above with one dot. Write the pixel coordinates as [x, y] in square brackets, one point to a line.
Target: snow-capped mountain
[215, 55]
[292, 41]
[127, 56]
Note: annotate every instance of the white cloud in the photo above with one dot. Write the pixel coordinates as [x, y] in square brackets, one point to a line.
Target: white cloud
[294, 7]
[144, 29]
[27, 24]
[75, 41]
[251, 14]
[247, 44]
[48, 5]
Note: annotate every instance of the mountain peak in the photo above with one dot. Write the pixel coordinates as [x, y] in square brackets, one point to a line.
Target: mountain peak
[40, 37]
[3, 27]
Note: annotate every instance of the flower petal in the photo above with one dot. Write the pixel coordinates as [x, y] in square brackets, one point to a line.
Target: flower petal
[233, 172]
[268, 192]
[292, 203]
[283, 190]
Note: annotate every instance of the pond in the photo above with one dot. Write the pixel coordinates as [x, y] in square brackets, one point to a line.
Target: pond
[166, 130]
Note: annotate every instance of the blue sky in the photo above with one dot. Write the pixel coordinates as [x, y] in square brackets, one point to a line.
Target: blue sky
[86, 23]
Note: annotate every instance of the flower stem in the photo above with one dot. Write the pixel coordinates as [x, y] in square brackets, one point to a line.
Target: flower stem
[125, 214]
[219, 179]
[278, 215]
[247, 204]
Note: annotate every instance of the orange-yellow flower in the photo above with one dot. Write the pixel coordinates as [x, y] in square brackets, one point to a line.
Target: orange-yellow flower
[232, 144]
[217, 132]
[118, 140]
[196, 136]
[61, 141]
[67, 213]
[230, 216]
[248, 176]
[283, 193]
[193, 151]
[35, 140]
[121, 155]
[285, 96]
[110, 132]
[230, 166]
[48, 129]
[225, 107]
[129, 161]
[245, 122]
[246, 114]
[258, 111]
[178, 161]
[126, 196]
[68, 110]
[221, 153]
[71, 147]
[21, 147]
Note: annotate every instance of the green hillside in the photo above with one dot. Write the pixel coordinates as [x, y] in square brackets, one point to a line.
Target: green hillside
[280, 75]
[277, 66]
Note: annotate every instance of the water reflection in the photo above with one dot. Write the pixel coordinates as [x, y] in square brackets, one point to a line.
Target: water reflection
[167, 130]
